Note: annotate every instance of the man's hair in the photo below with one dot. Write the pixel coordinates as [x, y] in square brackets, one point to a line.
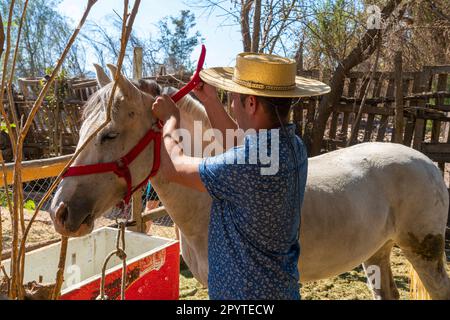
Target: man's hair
[271, 105]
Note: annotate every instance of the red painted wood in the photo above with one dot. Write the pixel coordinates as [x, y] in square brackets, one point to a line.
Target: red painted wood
[154, 277]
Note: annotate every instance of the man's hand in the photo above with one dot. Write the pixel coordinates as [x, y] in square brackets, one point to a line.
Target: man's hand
[164, 107]
[206, 93]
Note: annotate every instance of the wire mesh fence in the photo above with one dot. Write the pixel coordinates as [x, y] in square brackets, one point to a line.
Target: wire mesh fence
[34, 191]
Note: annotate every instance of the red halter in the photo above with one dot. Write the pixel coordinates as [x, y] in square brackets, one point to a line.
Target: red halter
[121, 166]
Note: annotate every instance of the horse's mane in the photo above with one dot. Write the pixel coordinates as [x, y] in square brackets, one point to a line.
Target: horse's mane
[98, 101]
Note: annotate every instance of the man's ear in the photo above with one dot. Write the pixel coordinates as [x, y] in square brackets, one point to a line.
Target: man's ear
[251, 105]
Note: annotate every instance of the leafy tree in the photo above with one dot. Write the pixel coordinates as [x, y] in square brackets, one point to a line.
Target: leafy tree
[172, 48]
[176, 42]
[44, 36]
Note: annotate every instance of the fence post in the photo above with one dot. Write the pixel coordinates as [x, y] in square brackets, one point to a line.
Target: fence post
[398, 61]
[137, 63]
[136, 208]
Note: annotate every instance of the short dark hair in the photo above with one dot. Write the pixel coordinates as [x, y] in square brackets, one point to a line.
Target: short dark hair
[271, 105]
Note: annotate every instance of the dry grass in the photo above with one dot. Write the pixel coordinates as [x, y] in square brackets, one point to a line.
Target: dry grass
[347, 286]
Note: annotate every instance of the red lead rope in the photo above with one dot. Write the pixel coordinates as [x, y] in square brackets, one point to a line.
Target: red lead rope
[121, 166]
[195, 79]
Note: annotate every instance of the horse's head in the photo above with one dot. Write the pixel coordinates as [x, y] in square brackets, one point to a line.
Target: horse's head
[79, 200]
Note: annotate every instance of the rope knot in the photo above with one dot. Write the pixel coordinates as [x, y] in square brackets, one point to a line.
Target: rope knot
[121, 254]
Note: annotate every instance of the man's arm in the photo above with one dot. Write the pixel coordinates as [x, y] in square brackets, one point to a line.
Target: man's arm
[178, 167]
[217, 114]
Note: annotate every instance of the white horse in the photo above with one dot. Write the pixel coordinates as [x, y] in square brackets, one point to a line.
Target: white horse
[359, 201]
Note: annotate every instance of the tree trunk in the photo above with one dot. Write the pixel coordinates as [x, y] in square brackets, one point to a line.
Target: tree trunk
[256, 26]
[363, 50]
[246, 6]
[299, 58]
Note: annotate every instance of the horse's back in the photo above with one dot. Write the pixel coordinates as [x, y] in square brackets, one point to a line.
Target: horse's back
[359, 197]
[373, 162]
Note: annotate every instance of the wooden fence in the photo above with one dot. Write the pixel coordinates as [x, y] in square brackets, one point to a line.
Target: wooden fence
[55, 129]
[426, 98]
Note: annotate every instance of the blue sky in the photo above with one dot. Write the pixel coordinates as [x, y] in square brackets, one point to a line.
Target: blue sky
[222, 42]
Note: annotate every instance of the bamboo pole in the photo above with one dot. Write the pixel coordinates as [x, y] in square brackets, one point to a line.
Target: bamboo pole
[8, 200]
[61, 266]
[7, 254]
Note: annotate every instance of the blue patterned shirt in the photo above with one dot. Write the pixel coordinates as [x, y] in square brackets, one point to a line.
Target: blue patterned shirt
[253, 246]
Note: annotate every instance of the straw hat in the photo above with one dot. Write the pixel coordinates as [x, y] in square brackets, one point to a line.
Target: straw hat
[263, 75]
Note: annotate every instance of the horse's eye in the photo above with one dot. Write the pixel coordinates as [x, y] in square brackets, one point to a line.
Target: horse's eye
[109, 136]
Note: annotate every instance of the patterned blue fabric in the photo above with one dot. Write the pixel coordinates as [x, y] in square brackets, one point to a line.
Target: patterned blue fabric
[253, 230]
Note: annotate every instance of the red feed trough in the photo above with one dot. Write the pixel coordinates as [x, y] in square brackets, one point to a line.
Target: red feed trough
[153, 266]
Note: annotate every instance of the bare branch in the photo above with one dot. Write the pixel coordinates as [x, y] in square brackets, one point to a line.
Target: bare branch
[2, 36]
[12, 106]
[4, 74]
[20, 255]
[124, 39]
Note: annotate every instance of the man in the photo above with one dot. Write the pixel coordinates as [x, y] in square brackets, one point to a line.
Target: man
[253, 241]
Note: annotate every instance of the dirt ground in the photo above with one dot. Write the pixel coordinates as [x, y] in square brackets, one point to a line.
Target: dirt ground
[349, 286]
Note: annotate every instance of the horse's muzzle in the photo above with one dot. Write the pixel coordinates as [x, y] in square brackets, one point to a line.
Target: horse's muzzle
[68, 226]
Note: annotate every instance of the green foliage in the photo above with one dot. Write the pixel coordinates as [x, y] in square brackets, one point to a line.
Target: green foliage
[332, 31]
[29, 205]
[172, 47]
[52, 97]
[4, 128]
[44, 35]
[4, 199]
[176, 42]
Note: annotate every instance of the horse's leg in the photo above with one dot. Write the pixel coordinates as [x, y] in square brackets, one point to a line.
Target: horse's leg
[379, 273]
[426, 253]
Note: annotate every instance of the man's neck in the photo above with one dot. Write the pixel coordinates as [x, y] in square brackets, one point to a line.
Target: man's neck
[271, 126]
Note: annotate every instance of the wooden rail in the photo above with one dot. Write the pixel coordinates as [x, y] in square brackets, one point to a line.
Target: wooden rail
[154, 214]
[37, 169]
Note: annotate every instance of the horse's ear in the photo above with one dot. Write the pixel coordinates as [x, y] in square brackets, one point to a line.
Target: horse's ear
[102, 77]
[128, 89]
[148, 99]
